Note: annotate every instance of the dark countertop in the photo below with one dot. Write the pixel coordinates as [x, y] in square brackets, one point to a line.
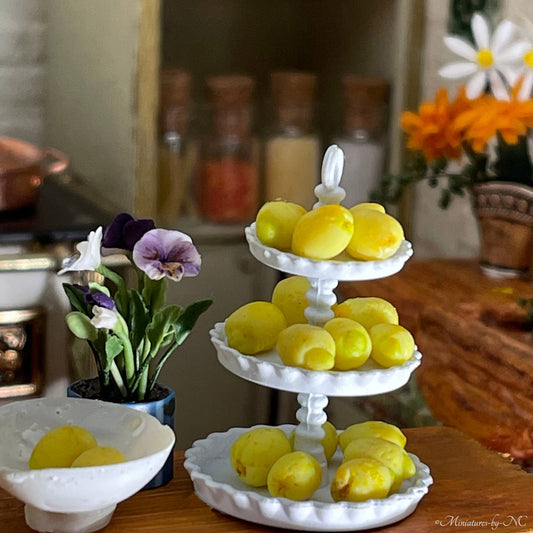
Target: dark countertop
[62, 214]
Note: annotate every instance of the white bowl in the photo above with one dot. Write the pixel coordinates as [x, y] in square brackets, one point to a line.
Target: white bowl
[78, 500]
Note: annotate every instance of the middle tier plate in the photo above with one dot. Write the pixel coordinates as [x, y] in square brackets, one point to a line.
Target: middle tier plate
[267, 369]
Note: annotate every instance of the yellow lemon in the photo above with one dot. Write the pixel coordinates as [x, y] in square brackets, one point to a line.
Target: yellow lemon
[295, 476]
[254, 327]
[352, 343]
[323, 233]
[290, 296]
[60, 446]
[275, 223]
[389, 453]
[375, 236]
[360, 479]
[368, 205]
[372, 428]
[329, 442]
[306, 346]
[392, 344]
[367, 310]
[98, 456]
[254, 452]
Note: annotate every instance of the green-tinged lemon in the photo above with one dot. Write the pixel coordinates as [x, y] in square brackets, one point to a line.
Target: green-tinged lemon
[254, 452]
[275, 223]
[254, 327]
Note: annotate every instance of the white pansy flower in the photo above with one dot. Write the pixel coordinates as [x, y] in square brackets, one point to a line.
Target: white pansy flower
[89, 258]
[491, 58]
[104, 318]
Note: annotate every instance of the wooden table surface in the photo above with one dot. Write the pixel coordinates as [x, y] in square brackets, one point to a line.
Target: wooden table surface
[474, 490]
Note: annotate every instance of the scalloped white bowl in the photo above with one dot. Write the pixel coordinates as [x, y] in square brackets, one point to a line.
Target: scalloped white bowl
[78, 500]
[267, 369]
[218, 485]
[341, 268]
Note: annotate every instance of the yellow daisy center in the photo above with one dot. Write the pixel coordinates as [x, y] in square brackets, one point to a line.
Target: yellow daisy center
[528, 58]
[485, 58]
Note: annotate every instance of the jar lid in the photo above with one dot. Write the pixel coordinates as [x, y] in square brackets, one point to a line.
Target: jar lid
[365, 91]
[175, 86]
[292, 86]
[230, 90]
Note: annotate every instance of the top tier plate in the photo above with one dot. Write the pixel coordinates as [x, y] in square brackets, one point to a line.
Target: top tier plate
[341, 268]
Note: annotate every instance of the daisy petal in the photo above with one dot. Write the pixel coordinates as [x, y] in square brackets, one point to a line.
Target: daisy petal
[502, 35]
[476, 85]
[514, 52]
[480, 30]
[497, 86]
[457, 70]
[460, 47]
[511, 75]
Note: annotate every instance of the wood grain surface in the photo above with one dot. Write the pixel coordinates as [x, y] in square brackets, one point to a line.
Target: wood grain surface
[474, 488]
[477, 365]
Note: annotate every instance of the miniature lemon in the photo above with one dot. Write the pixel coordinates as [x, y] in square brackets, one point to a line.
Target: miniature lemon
[254, 452]
[61, 446]
[295, 476]
[306, 346]
[290, 296]
[323, 233]
[368, 205]
[389, 453]
[352, 343]
[392, 344]
[360, 479]
[375, 236]
[329, 442]
[254, 327]
[98, 456]
[372, 428]
[275, 223]
[367, 310]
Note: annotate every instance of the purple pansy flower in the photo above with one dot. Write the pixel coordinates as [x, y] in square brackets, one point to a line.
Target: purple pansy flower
[125, 231]
[96, 297]
[165, 253]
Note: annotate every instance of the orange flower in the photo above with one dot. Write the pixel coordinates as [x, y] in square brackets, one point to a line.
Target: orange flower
[489, 116]
[432, 130]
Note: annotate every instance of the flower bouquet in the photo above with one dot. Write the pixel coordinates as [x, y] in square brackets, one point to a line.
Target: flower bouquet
[130, 331]
[483, 133]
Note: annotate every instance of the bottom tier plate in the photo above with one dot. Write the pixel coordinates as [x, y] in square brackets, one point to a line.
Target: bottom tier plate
[215, 482]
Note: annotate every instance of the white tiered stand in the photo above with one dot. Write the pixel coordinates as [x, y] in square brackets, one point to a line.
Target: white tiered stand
[208, 461]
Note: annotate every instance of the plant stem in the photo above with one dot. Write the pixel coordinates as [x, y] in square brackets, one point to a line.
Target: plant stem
[115, 372]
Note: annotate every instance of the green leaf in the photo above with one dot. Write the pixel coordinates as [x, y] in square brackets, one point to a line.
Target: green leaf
[139, 318]
[81, 326]
[154, 293]
[188, 319]
[76, 298]
[113, 347]
[102, 288]
[161, 322]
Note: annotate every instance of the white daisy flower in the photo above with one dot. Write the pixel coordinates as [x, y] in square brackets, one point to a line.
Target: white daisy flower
[491, 58]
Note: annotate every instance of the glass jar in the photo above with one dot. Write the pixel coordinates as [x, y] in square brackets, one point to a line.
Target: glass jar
[177, 147]
[363, 138]
[292, 150]
[227, 187]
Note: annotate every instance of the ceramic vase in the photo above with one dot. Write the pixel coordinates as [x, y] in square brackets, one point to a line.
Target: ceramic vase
[504, 211]
[162, 409]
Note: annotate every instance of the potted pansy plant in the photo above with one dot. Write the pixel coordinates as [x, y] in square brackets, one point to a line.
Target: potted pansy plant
[479, 141]
[132, 331]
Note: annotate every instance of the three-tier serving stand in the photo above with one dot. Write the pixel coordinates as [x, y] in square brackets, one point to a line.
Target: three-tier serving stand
[208, 460]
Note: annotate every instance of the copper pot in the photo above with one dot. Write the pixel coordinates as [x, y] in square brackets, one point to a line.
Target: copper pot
[23, 166]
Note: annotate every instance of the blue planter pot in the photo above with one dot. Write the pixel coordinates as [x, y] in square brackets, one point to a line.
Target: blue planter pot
[163, 410]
